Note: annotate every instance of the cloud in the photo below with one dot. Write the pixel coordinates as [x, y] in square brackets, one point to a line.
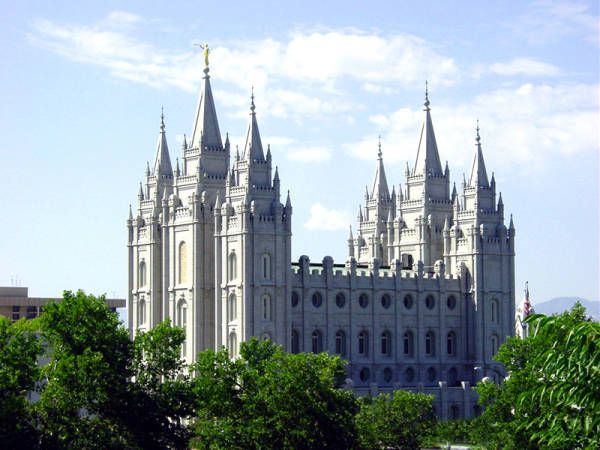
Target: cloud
[522, 128]
[525, 66]
[550, 21]
[325, 219]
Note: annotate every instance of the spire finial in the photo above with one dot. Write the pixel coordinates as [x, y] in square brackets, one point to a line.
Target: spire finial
[252, 107]
[426, 95]
[477, 138]
[162, 118]
[379, 148]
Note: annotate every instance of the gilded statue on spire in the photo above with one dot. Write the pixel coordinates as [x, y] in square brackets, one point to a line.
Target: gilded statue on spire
[206, 52]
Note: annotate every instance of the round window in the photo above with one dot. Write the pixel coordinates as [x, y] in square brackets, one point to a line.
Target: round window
[363, 300]
[387, 375]
[408, 302]
[365, 374]
[317, 299]
[295, 299]
[340, 300]
[430, 302]
[386, 301]
[451, 302]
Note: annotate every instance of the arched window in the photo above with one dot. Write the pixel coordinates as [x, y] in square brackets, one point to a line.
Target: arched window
[387, 375]
[295, 299]
[233, 347]
[407, 261]
[364, 374]
[409, 375]
[452, 377]
[454, 412]
[340, 343]
[494, 311]
[295, 342]
[430, 302]
[317, 341]
[363, 300]
[340, 300]
[182, 322]
[142, 274]
[317, 299]
[408, 344]
[142, 312]
[363, 343]
[408, 301]
[232, 266]
[451, 344]
[386, 301]
[495, 342]
[266, 266]
[430, 344]
[386, 343]
[451, 302]
[232, 307]
[182, 262]
[431, 374]
[267, 307]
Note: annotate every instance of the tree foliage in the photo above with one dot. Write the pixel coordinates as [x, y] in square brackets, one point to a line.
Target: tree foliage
[268, 398]
[402, 420]
[552, 386]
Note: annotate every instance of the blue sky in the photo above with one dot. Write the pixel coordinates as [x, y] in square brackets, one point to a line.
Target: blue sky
[83, 83]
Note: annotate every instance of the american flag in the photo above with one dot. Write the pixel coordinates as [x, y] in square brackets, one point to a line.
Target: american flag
[527, 305]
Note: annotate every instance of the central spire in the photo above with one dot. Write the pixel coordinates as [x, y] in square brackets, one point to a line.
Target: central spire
[253, 149]
[206, 126]
[380, 187]
[162, 162]
[478, 173]
[428, 158]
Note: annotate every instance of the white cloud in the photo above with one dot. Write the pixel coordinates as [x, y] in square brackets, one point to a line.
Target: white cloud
[524, 66]
[522, 128]
[325, 219]
[310, 154]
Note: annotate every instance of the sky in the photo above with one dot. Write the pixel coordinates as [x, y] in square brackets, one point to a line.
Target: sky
[83, 84]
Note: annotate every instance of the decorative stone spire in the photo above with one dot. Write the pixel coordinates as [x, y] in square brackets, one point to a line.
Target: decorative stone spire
[380, 189]
[184, 144]
[360, 214]
[177, 171]
[253, 150]
[147, 168]
[428, 158]
[206, 126]
[141, 193]
[478, 173]
[162, 162]
[350, 237]
[288, 202]
[130, 216]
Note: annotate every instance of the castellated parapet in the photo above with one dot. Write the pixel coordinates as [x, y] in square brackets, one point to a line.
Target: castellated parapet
[423, 301]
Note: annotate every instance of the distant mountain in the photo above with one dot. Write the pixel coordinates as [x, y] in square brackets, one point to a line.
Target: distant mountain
[561, 304]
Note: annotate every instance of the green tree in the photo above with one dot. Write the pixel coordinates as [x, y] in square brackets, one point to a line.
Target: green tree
[104, 390]
[20, 349]
[402, 420]
[268, 398]
[507, 419]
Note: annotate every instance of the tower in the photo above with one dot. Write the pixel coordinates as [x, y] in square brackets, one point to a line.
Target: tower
[172, 239]
[253, 250]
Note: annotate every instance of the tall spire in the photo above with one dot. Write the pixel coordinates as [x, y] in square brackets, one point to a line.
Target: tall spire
[206, 125]
[428, 158]
[380, 187]
[253, 148]
[162, 162]
[478, 173]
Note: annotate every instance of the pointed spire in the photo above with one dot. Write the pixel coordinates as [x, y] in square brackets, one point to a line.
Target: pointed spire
[177, 171]
[478, 173]
[130, 216]
[162, 162]
[350, 237]
[276, 177]
[446, 224]
[454, 193]
[428, 158]
[253, 149]
[206, 125]
[360, 214]
[184, 144]
[218, 201]
[147, 168]
[268, 152]
[390, 217]
[400, 193]
[511, 226]
[141, 193]
[500, 202]
[447, 169]
[380, 187]
[288, 202]
[237, 153]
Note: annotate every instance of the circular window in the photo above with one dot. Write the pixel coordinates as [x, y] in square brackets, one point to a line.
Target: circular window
[387, 375]
[340, 300]
[451, 302]
[430, 302]
[386, 301]
[408, 302]
[431, 374]
[365, 374]
[363, 300]
[409, 374]
[317, 299]
[295, 299]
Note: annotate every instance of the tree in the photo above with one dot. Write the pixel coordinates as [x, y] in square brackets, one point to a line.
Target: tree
[273, 399]
[20, 349]
[516, 415]
[104, 390]
[402, 420]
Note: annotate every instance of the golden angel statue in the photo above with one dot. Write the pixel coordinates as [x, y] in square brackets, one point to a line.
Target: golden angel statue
[206, 52]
